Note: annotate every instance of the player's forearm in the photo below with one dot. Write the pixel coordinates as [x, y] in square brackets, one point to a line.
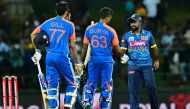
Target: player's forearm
[118, 51]
[155, 54]
[123, 50]
[83, 53]
[74, 53]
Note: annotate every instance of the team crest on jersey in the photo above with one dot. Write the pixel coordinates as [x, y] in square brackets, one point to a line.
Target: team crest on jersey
[144, 38]
[131, 38]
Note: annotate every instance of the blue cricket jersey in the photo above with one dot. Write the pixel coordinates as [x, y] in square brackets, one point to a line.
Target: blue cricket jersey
[101, 38]
[59, 32]
[138, 47]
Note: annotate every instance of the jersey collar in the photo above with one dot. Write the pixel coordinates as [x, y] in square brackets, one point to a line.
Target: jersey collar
[102, 23]
[141, 32]
[58, 17]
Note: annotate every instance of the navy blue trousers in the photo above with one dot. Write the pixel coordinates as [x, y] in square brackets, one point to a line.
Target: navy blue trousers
[135, 75]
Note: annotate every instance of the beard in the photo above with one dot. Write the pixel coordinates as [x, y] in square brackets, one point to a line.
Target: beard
[134, 28]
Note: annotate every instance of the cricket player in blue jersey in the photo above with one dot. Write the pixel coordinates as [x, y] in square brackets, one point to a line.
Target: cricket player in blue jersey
[61, 37]
[101, 38]
[137, 43]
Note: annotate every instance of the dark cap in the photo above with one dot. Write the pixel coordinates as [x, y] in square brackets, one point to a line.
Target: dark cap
[135, 17]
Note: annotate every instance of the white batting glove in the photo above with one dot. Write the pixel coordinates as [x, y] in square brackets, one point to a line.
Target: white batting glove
[124, 59]
[36, 57]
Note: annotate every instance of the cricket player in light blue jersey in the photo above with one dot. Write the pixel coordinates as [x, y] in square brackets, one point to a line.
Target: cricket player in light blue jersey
[137, 43]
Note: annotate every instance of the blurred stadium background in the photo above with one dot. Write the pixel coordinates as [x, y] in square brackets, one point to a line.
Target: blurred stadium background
[169, 20]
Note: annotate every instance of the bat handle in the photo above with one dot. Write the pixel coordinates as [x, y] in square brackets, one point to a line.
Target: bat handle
[39, 68]
[88, 51]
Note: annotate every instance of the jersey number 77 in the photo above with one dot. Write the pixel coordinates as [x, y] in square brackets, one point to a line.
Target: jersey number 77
[55, 31]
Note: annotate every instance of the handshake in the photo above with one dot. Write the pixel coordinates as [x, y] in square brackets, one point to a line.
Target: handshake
[124, 58]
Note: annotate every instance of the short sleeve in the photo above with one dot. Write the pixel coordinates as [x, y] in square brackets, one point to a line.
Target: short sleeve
[36, 30]
[86, 40]
[152, 41]
[43, 27]
[115, 39]
[72, 35]
[39, 29]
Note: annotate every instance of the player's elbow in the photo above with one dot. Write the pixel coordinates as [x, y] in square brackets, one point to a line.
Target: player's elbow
[32, 36]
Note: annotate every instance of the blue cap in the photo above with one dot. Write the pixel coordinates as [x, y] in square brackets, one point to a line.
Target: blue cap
[135, 17]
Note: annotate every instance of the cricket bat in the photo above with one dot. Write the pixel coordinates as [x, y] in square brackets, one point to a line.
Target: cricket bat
[43, 86]
[88, 51]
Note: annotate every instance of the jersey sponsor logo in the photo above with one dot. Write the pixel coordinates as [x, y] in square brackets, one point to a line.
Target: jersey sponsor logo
[131, 38]
[138, 43]
[144, 38]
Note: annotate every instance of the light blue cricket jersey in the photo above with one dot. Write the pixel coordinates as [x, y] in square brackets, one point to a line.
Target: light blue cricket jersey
[138, 47]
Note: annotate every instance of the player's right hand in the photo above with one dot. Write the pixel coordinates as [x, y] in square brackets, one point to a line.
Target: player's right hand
[36, 57]
[79, 69]
[156, 65]
[124, 59]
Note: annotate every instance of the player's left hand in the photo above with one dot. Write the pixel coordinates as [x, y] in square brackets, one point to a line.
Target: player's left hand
[156, 65]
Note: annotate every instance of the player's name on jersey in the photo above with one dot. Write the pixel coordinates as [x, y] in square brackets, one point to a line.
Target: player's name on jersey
[56, 24]
[102, 31]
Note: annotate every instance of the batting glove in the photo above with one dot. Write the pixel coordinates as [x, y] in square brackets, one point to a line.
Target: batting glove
[124, 59]
[36, 57]
[79, 68]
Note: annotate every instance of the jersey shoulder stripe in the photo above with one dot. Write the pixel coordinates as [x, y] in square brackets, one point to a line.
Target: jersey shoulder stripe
[90, 26]
[48, 20]
[110, 28]
[73, 35]
[69, 22]
[115, 37]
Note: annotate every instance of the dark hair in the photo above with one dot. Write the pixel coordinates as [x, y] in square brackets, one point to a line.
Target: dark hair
[105, 12]
[61, 8]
